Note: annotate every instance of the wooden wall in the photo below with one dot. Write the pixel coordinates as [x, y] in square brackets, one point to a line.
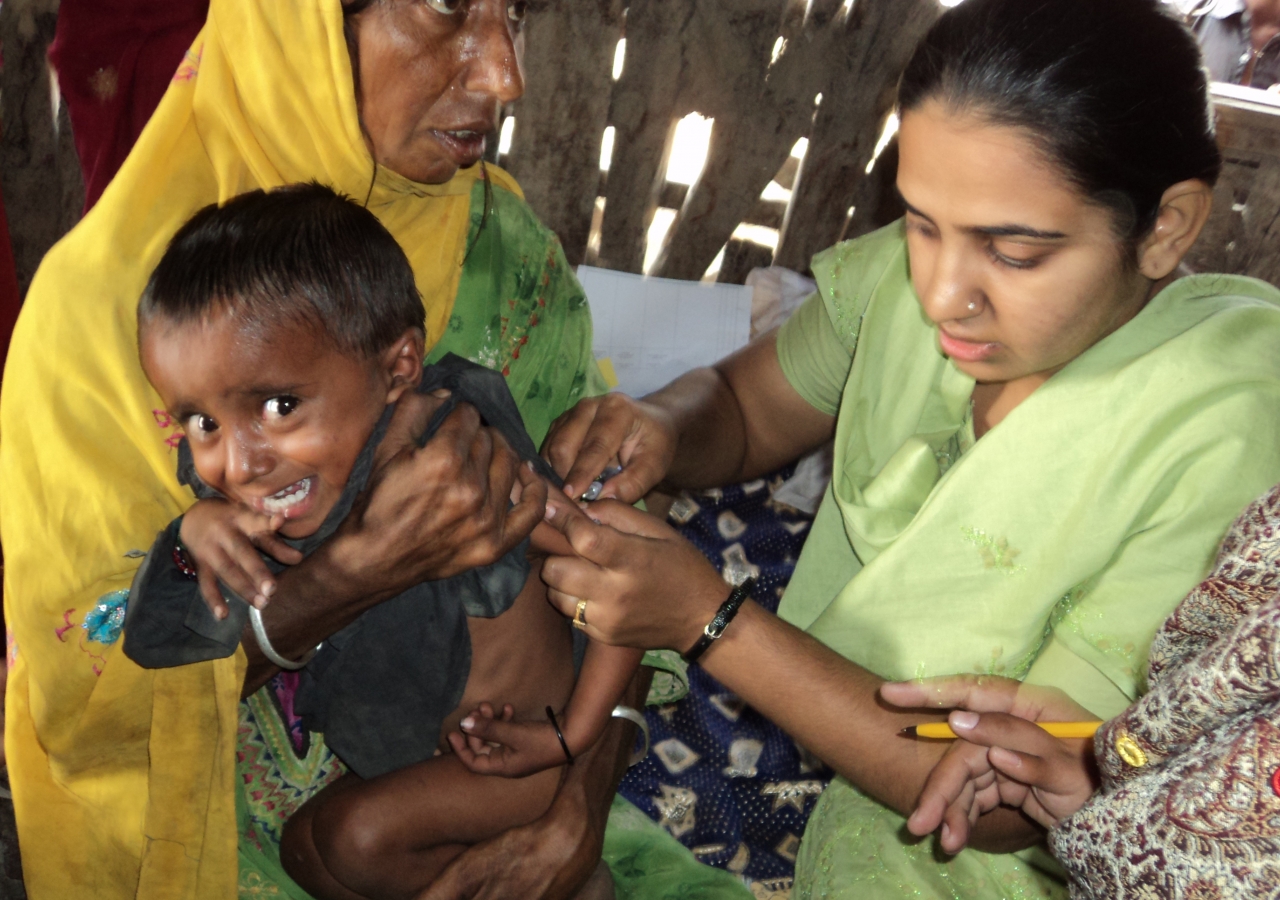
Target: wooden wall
[1243, 233]
[39, 171]
[767, 71]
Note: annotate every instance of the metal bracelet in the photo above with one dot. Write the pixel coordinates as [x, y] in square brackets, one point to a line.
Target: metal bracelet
[264, 644]
[637, 718]
[564, 745]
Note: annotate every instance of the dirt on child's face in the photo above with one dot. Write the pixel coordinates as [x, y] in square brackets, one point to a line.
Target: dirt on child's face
[275, 417]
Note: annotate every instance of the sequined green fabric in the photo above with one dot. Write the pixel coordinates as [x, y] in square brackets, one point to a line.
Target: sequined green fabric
[861, 836]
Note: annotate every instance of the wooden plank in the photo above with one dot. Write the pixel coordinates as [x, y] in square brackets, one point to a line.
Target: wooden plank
[644, 112]
[878, 39]
[39, 170]
[1242, 235]
[765, 213]
[740, 257]
[761, 105]
[555, 151]
[875, 199]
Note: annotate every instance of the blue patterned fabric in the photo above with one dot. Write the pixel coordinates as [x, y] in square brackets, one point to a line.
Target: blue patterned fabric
[722, 779]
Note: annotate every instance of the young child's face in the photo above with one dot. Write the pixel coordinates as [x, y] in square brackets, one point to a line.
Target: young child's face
[275, 417]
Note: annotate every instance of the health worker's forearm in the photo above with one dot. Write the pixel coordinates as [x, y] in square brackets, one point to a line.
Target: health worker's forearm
[738, 420]
[770, 663]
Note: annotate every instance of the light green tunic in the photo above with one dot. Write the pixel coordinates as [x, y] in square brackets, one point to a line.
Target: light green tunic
[1049, 550]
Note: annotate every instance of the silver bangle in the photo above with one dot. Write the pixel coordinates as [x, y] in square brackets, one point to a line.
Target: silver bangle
[635, 717]
[264, 644]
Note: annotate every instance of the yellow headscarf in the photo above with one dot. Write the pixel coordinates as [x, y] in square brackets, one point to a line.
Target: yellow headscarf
[122, 778]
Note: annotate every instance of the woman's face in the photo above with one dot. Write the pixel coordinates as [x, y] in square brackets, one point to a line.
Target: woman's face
[1019, 271]
[433, 76]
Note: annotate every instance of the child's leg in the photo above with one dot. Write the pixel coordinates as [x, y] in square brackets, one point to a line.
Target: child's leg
[391, 836]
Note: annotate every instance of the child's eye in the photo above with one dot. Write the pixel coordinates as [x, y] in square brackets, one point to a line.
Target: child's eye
[445, 7]
[199, 423]
[279, 407]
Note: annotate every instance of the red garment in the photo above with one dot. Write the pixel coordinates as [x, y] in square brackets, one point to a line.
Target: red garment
[114, 60]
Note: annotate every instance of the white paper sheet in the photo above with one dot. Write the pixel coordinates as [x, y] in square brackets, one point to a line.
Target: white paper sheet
[656, 329]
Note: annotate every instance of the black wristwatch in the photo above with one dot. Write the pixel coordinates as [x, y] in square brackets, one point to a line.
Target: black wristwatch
[724, 615]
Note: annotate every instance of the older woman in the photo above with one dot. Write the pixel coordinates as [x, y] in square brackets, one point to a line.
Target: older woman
[133, 783]
[1041, 432]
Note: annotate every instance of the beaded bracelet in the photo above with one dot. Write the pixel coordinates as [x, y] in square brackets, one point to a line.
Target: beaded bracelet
[182, 561]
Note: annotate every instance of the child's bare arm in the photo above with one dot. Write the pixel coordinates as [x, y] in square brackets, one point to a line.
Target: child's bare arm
[222, 540]
[527, 747]
[1002, 759]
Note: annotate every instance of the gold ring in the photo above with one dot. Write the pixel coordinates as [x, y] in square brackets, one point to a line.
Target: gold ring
[580, 615]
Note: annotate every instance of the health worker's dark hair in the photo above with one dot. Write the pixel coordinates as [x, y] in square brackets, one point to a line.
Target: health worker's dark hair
[297, 254]
[1112, 91]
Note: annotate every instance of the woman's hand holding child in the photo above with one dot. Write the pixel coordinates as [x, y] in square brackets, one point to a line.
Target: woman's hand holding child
[222, 539]
[1001, 757]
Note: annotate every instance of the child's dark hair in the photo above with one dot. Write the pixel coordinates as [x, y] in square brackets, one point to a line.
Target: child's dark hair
[297, 254]
[1113, 91]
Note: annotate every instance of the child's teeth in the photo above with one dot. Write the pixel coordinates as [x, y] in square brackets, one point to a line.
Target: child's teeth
[281, 501]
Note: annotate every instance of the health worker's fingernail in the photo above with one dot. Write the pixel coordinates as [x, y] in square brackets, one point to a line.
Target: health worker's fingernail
[964, 719]
[467, 724]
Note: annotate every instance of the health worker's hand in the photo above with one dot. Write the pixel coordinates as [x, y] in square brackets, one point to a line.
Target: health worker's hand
[646, 587]
[599, 430]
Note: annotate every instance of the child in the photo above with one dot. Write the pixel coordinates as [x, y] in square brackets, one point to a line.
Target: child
[1188, 799]
[279, 330]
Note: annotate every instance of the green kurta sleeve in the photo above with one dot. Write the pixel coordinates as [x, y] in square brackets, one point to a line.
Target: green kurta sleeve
[813, 359]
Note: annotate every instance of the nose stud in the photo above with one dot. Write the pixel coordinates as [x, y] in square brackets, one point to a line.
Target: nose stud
[973, 306]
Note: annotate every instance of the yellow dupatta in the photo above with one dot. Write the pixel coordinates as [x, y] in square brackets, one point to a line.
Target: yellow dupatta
[122, 778]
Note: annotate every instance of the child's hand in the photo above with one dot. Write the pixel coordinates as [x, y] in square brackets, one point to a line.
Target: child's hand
[223, 540]
[1002, 759]
[492, 745]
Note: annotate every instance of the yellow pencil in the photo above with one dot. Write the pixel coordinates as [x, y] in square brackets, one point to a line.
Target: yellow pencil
[942, 731]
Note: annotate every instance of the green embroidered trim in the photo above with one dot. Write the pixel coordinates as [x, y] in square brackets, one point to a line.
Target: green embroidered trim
[1129, 654]
[996, 552]
[253, 885]
[1061, 610]
[272, 780]
[297, 770]
[848, 324]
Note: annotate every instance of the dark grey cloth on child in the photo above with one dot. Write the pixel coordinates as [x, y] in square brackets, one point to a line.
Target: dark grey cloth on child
[379, 688]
